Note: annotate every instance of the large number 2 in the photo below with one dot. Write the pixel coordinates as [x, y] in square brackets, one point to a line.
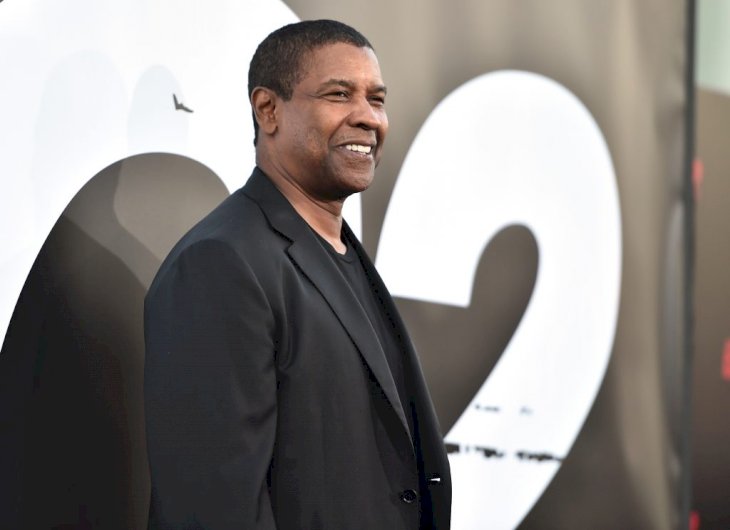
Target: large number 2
[513, 148]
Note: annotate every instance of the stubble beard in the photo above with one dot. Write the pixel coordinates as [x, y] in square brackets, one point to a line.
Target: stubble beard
[343, 182]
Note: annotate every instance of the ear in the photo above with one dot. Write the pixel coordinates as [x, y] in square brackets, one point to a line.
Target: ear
[263, 103]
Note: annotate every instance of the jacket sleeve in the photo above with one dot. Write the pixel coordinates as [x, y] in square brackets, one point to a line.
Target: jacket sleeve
[210, 392]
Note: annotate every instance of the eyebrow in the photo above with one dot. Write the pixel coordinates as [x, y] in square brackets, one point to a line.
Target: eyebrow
[348, 84]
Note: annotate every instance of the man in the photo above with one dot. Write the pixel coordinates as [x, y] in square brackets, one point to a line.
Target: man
[281, 388]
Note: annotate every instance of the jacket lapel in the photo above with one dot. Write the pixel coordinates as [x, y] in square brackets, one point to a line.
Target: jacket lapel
[427, 436]
[310, 257]
[417, 388]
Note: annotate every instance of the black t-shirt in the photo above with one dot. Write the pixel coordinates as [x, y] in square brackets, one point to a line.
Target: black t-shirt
[371, 301]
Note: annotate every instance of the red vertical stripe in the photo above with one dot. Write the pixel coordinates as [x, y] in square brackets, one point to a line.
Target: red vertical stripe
[694, 520]
[698, 176]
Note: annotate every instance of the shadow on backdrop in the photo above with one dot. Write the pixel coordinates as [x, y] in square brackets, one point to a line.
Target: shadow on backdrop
[72, 446]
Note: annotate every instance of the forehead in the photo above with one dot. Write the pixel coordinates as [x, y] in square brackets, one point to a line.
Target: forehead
[341, 61]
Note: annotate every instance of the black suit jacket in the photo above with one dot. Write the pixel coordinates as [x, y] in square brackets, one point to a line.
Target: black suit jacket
[269, 402]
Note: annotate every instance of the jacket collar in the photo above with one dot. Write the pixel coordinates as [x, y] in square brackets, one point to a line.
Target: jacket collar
[308, 254]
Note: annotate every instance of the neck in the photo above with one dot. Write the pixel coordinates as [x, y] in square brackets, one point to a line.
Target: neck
[324, 217]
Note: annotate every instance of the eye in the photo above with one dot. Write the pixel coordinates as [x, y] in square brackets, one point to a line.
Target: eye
[378, 101]
[338, 95]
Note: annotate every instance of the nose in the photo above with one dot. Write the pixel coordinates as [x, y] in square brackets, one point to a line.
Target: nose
[367, 114]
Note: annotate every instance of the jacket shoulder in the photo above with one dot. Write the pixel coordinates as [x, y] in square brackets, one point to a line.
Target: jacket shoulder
[237, 225]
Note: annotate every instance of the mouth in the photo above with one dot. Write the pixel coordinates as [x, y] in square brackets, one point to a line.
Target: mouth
[359, 148]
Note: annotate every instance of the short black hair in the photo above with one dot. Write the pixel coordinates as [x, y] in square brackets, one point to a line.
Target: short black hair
[277, 63]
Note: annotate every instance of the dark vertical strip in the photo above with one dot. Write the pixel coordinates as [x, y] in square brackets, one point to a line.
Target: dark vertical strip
[685, 503]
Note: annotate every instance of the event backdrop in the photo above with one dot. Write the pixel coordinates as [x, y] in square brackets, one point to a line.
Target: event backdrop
[536, 159]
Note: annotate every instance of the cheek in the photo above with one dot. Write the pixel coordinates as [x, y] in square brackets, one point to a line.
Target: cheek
[314, 143]
[302, 137]
[383, 126]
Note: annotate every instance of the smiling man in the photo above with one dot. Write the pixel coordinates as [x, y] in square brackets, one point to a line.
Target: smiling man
[281, 388]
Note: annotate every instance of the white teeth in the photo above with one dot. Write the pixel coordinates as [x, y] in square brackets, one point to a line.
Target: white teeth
[359, 148]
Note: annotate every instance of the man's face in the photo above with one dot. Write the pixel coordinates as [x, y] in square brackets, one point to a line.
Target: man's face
[330, 133]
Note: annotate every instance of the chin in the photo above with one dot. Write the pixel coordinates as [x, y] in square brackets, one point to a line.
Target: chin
[359, 185]
[348, 184]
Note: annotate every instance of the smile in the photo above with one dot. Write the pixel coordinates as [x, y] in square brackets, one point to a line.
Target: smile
[359, 148]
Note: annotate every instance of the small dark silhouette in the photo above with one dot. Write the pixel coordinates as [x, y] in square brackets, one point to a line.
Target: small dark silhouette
[451, 448]
[486, 408]
[178, 105]
[487, 452]
[539, 457]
